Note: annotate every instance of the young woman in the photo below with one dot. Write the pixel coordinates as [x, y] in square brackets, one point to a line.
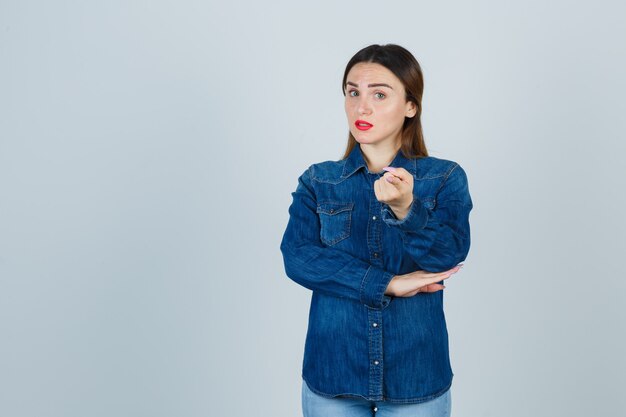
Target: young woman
[374, 235]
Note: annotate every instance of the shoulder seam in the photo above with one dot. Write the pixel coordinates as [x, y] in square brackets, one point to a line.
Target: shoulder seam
[447, 175]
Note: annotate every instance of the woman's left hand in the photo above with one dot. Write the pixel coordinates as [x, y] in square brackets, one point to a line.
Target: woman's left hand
[395, 188]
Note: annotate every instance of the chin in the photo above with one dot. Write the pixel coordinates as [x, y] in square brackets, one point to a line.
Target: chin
[359, 137]
[364, 140]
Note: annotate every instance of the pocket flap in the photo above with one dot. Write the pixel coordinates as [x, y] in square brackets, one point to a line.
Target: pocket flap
[333, 208]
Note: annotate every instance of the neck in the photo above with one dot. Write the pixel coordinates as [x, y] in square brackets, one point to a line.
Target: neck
[379, 155]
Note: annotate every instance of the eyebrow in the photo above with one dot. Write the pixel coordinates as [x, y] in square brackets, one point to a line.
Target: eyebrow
[370, 85]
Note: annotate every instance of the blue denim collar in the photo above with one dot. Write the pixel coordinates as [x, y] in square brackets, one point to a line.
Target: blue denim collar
[355, 160]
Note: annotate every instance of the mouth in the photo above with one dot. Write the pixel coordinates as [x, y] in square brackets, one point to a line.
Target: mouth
[363, 125]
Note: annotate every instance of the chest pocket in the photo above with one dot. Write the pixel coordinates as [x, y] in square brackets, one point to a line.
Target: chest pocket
[335, 221]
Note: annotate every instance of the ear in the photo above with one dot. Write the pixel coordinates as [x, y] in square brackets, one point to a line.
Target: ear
[411, 109]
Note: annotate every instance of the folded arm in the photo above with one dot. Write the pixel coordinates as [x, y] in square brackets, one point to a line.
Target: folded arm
[325, 269]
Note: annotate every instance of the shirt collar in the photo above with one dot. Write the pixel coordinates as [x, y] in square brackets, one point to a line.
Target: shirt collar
[355, 160]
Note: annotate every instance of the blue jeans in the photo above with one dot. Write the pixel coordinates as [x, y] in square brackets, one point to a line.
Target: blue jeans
[315, 405]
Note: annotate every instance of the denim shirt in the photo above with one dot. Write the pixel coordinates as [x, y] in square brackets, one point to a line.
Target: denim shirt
[345, 246]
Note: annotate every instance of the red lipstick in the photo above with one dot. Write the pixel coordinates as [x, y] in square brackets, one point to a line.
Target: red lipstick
[363, 125]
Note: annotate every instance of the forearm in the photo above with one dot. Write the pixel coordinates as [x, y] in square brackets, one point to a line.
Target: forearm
[438, 246]
[438, 237]
[334, 272]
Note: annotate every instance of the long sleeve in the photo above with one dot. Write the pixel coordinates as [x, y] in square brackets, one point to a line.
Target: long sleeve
[437, 239]
[321, 268]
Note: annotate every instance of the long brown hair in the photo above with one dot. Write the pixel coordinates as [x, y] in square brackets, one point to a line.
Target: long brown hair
[404, 66]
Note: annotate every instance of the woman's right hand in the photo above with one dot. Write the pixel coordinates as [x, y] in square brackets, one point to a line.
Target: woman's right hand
[407, 285]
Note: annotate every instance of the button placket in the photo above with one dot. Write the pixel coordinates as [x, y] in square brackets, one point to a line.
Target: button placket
[374, 230]
[374, 316]
[375, 354]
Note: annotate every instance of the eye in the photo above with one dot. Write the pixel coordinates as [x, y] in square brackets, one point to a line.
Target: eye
[381, 94]
[353, 91]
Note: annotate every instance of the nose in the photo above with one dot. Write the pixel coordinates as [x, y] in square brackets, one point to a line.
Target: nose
[364, 107]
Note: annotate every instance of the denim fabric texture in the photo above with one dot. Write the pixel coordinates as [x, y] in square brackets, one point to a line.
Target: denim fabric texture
[345, 246]
[314, 405]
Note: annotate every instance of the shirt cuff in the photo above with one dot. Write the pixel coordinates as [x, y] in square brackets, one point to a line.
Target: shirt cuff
[373, 287]
[416, 218]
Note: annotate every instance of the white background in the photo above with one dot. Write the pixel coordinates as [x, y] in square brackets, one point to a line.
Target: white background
[147, 155]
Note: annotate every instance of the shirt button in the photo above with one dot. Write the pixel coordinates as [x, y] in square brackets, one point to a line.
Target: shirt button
[375, 324]
[375, 409]
[375, 254]
[375, 362]
[332, 210]
[374, 218]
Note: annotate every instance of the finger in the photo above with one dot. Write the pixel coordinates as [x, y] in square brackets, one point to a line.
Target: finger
[412, 293]
[432, 280]
[440, 274]
[393, 179]
[399, 185]
[378, 185]
[455, 269]
[399, 172]
[388, 190]
[428, 288]
[452, 270]
[433, 288]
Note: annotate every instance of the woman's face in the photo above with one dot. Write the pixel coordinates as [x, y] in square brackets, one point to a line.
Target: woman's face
[375, 104]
